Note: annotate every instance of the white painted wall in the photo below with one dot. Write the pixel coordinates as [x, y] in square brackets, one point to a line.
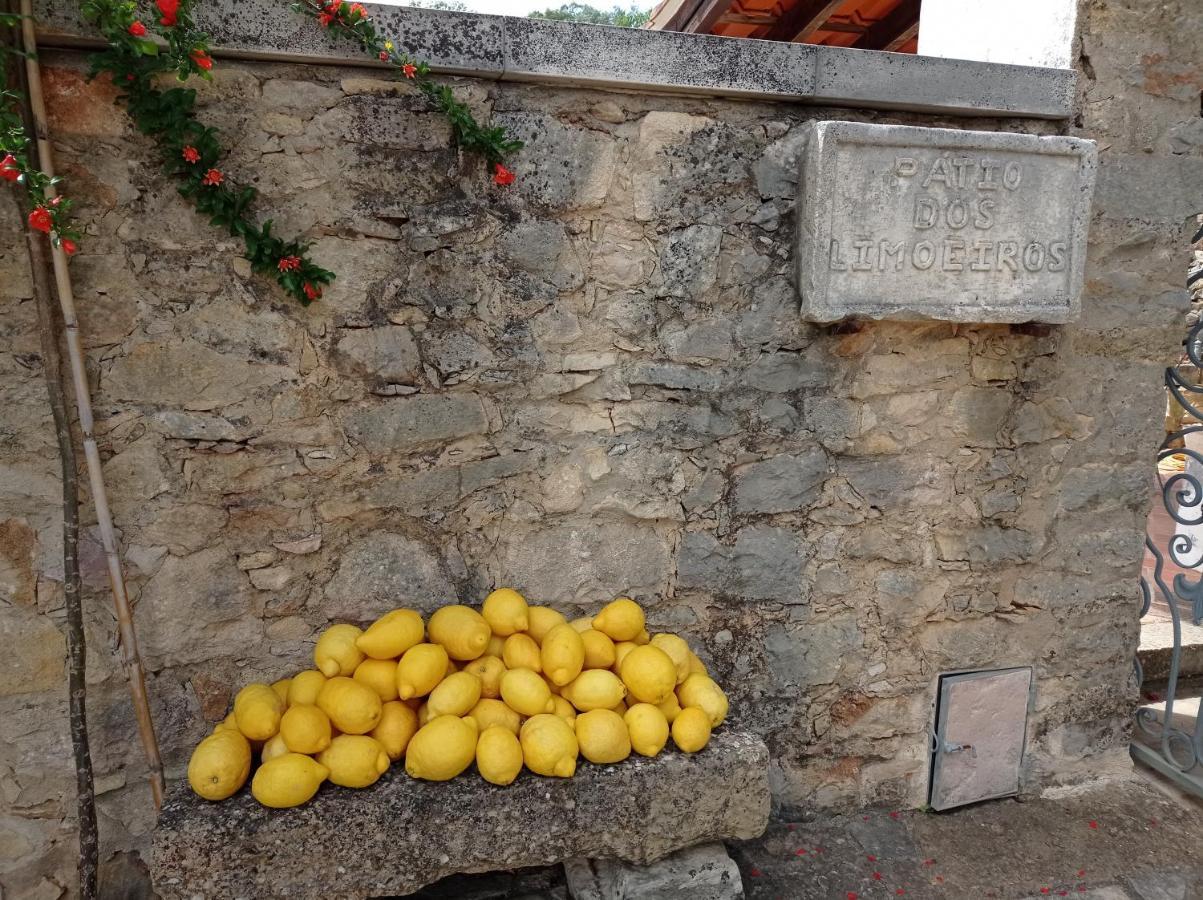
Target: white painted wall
[1024, 32]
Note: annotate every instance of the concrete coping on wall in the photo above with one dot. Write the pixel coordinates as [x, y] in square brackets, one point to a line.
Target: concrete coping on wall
[532, 50]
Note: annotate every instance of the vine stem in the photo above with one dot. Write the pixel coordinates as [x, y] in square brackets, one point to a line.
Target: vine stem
[130, 656]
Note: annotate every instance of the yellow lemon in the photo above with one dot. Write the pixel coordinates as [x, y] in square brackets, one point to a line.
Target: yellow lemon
[398, 723]
[564, 710]
[562, 654]
[691, 729]
[584, 623]
[551, 685]
[288, 780]
[599, 649]
[521, 652]
[392, 634]
[305, 686]
[454, 696]
[525, 692]
[670, 707]
[498, 755]
[220, 764]
[335, 652]
[462, 632]
[380, 675]
[230, 721]
[488, 713]
[420, 669]
[257, 710]
[701, 691]
[620, 707]
[621, 649]
[549, 746]
[543, 619]
[648, 728]
[677, 650]
[281, 688]
[696, 666]
[642, 638]
[489, 670]
[496, 645]
[620, 620]
[506, 612]
[603, 737]
[423, 714]
[354, 760]
[649, 674]
[353, 708]
[594, 689]
[451, 669]
[305, 729]
[442, 748]
[273, 748]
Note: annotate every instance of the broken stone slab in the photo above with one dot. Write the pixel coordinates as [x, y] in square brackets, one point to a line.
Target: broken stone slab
[705, 872]
[400, 834]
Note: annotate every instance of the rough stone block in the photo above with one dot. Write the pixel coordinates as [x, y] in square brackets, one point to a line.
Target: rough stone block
[899, 222]
[401, 834]
[699, 873]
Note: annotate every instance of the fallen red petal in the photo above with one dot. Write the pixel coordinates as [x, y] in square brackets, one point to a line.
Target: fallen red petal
[1062, 893]
[1081, 872]
[754, 873]
[852, 895]
[877, 876]
[900, 892]
[801, 851]
[1094, 824]
[895, 815]
[871, 858]
[929, 862]
[1044, 890]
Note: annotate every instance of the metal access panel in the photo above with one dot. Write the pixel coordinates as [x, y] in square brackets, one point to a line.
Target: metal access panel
[981, 727]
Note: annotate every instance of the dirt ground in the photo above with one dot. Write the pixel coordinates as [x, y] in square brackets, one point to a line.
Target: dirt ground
[1133, 840]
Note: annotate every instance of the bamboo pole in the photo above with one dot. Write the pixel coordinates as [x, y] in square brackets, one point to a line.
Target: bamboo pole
[52, 367]
[130, 657]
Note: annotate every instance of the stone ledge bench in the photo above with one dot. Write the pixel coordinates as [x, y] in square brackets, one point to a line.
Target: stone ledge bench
[400, 834]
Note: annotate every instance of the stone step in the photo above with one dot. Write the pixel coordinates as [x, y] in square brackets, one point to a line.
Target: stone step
[401, 834]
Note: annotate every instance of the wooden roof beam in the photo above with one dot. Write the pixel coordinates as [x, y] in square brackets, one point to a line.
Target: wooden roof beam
[707, 15]
[892, 31]
[802, 20]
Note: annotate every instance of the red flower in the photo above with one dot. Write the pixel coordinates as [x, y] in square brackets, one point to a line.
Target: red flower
[68, 246]
[801, 851]
[1044, 890]
[212, 178]
[190, 154]
[852, 895]
[40, 220]
[169, 10]
[871, 858]
[359, 10]
[384, 56]
[289, 263]
[138, 29]
[201, 58]
[877, 876]
[410, 70]
[325, 19]
[1081, 873]
[1094, 824]
[8, 168]
[754, 873]
[310, 291]
[502, 175]
[900, 892]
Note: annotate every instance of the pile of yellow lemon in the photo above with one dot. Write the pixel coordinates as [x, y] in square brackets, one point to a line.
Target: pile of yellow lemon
[508, 686]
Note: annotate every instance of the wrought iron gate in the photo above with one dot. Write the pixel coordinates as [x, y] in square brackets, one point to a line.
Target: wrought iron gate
[1169, 735]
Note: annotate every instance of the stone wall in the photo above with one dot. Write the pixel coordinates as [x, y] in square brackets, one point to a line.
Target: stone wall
[594, 382]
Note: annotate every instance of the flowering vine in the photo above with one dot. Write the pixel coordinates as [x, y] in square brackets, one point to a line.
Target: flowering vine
[352, 22]
[48, 214]
[190, 150]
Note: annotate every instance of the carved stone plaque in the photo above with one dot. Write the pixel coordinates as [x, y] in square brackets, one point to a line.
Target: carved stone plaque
[898, 222]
